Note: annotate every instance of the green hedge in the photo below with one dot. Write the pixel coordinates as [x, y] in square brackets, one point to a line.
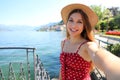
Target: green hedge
[115, 49]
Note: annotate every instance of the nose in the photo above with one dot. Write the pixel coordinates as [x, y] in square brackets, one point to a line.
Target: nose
[74, 24]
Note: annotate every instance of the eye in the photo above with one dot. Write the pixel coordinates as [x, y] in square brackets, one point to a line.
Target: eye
[80, 22]
[70, 20]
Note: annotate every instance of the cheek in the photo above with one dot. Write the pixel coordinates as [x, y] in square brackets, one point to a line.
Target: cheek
[68, 29]
[81, 29]
[67, 26]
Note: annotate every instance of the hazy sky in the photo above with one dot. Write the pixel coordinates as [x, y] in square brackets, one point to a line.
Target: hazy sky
[39, 12]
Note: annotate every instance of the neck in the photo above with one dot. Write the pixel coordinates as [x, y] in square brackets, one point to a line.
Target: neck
[74, 40]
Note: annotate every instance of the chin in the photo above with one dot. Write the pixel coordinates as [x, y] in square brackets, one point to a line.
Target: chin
[74, 35]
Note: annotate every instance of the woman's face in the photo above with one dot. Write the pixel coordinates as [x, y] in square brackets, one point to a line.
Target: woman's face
[75, 25]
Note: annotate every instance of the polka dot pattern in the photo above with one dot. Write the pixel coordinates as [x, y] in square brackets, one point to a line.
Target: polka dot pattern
[74, 67]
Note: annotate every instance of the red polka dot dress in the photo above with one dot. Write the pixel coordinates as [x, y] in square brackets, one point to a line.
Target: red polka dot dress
[74, 67]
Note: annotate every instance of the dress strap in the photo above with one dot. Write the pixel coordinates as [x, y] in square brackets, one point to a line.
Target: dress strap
[81, 45]
[63, 44]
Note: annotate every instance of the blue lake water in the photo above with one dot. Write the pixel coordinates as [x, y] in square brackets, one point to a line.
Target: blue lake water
[47, 45]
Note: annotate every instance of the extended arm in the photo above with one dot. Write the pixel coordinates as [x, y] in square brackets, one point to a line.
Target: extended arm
[106, 61]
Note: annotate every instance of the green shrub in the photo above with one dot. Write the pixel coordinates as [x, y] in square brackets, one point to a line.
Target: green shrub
[115, 49]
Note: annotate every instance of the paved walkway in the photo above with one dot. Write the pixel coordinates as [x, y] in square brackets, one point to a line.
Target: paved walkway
[109, 40]
[103, 41]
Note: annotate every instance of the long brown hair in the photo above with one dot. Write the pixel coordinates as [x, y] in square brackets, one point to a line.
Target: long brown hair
[87, 33]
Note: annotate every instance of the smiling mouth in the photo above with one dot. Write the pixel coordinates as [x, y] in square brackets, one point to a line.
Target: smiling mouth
[73, 30]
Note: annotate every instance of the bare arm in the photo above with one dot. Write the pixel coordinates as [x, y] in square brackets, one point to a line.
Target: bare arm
[104, 60]
[111, 64]
[92, 49]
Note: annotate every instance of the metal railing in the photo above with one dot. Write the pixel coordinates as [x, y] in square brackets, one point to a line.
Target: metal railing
[21, 63]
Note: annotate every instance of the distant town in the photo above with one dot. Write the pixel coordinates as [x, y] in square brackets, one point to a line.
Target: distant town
[53, 27]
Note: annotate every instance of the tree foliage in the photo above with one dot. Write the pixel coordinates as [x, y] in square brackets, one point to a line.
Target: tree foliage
[117, 21]
[111, 25]
[108, 17]
[100, 13]
[98, 10]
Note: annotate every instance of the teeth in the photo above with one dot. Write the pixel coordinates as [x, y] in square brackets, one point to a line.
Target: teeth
[73, 30]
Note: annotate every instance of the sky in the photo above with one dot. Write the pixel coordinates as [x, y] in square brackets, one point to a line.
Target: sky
[40, 12]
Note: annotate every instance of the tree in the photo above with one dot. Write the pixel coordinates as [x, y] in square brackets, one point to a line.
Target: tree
[61, 22]
[111, 25]
[114, 11]
[102, 26]
[100, 13]
[117, 21]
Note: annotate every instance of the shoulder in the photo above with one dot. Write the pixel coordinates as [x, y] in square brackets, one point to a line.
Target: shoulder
[91, 46]
[91, 43]
[63, 41]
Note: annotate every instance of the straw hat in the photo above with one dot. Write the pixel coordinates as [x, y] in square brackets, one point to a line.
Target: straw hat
[93, 18]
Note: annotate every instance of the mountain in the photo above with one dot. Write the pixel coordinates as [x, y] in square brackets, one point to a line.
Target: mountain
[16, 28]
[27, 28]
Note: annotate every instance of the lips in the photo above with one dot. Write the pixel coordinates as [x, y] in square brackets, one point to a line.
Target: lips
[73, 30]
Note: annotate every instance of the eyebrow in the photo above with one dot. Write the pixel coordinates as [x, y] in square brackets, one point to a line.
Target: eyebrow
[72, 18]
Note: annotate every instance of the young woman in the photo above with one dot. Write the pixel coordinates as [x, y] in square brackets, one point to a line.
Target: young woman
[79, 49]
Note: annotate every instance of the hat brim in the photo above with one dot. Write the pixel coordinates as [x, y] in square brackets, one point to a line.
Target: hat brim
[93, 18]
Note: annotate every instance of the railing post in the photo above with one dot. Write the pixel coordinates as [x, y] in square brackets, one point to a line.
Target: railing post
[28, 65]
[34, 59]
[1, 74]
